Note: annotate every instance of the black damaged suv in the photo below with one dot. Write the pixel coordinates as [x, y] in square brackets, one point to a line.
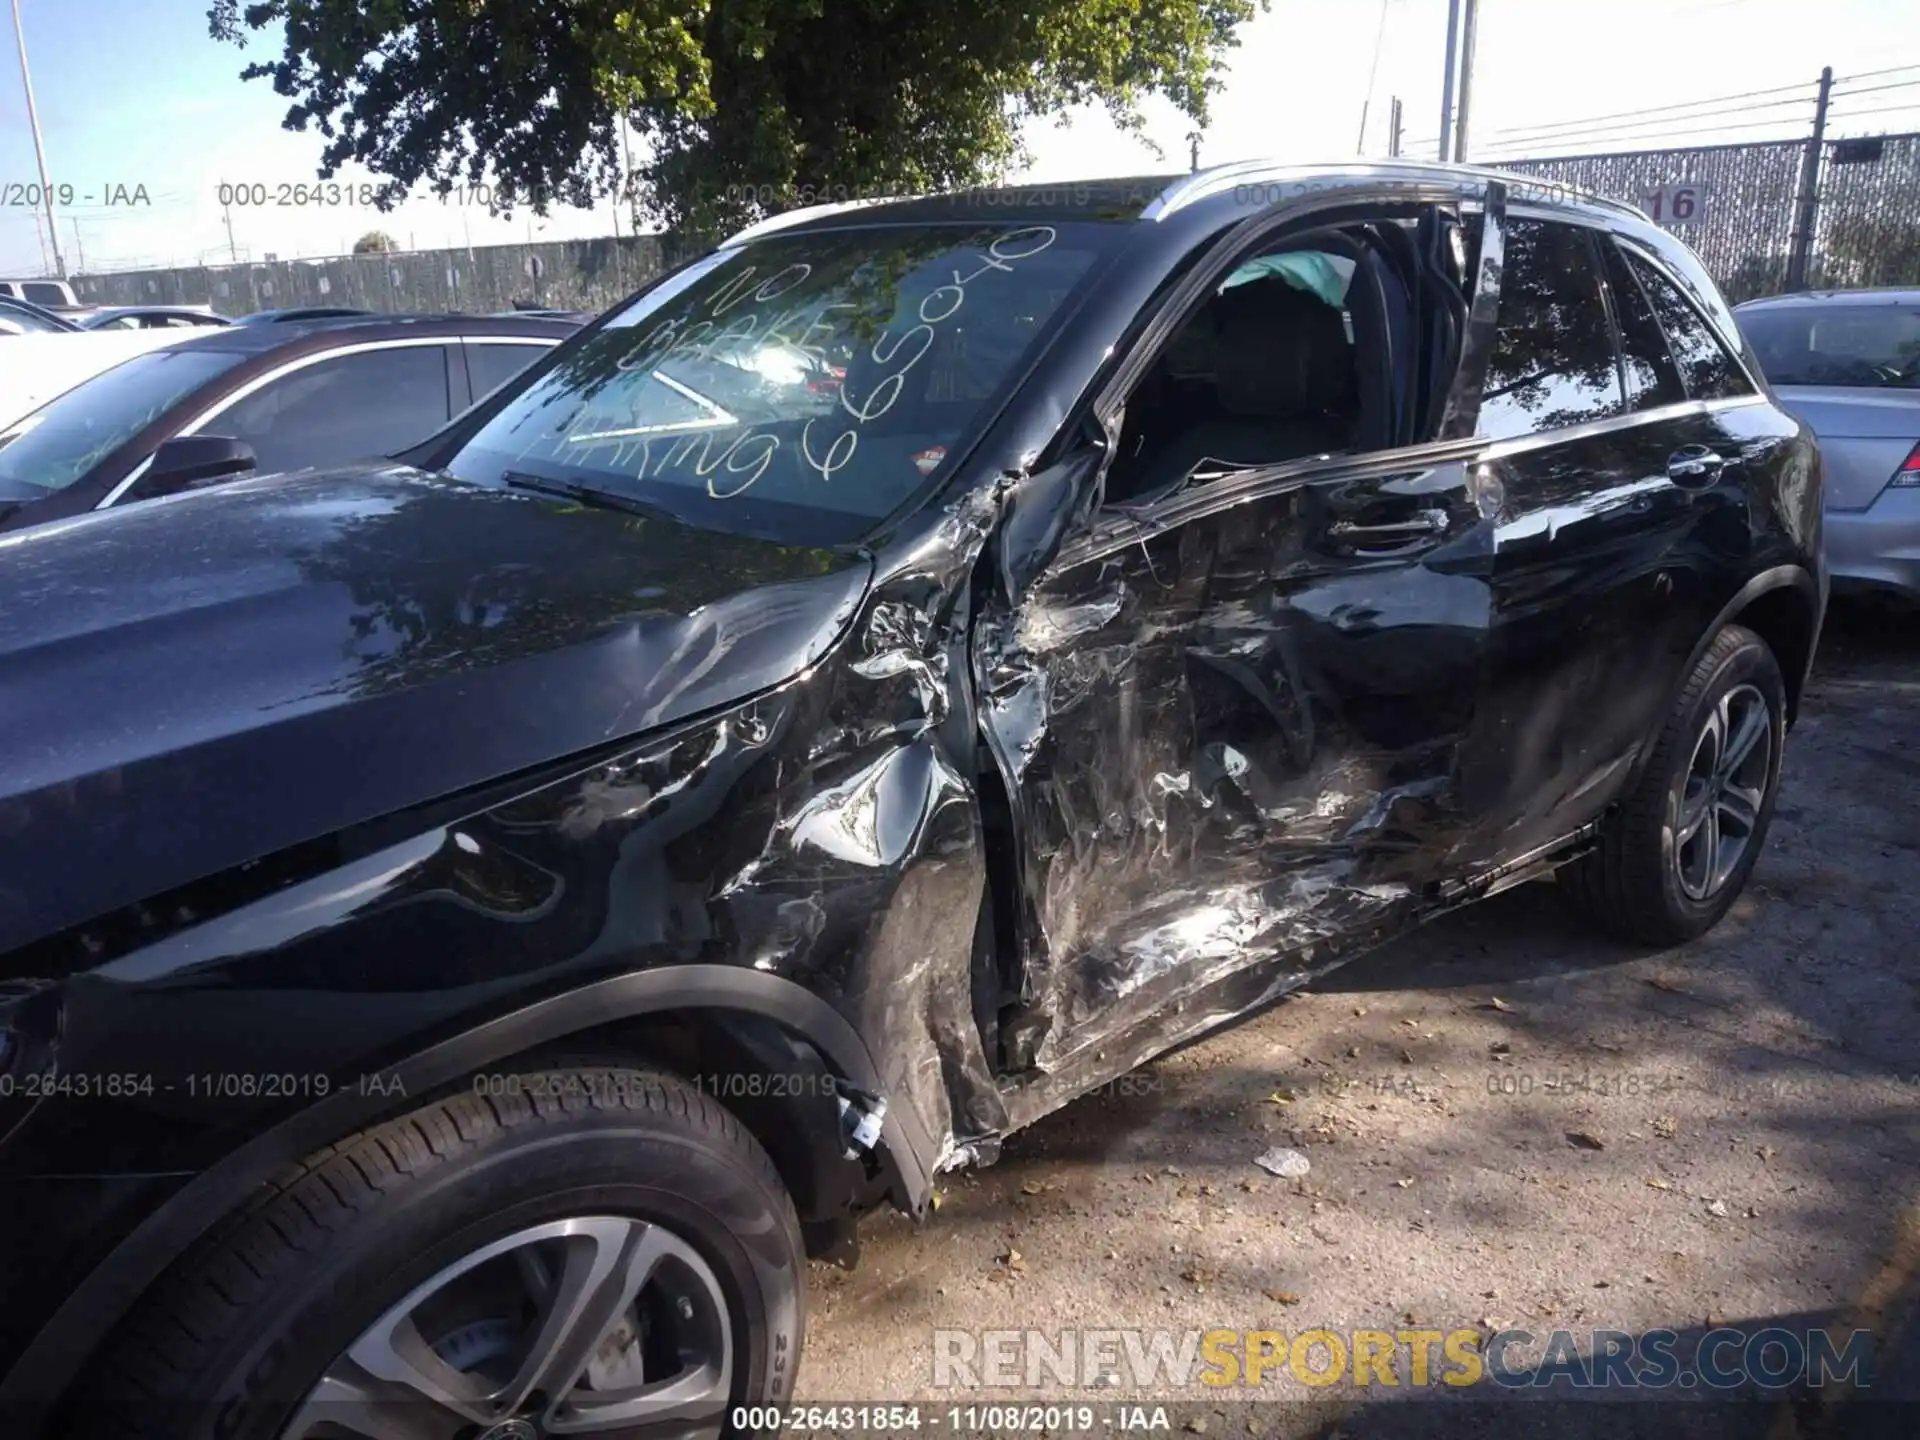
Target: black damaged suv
[470, 924]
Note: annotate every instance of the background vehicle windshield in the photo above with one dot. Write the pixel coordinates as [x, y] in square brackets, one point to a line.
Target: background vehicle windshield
[69, 435]
[1872, 345]
[802, 387]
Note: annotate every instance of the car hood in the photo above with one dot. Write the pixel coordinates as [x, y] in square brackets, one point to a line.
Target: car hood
[196, 682]
[1865, 412]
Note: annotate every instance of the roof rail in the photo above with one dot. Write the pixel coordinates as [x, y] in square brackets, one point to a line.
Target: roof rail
[789, 218]
[1205, 183]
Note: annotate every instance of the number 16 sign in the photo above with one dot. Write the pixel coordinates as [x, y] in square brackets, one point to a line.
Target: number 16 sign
[1674, 204]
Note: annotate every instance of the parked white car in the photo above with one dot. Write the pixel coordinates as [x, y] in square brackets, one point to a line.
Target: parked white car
[35, 368]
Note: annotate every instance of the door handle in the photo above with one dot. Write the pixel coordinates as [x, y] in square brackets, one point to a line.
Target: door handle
[1417, 526]
[1695, 467]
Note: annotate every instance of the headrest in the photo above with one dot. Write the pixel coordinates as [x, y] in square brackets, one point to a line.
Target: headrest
[1280, 352]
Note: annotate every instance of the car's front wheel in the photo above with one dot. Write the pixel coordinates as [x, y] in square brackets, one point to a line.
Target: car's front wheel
[592, 1252]
[1677, 852]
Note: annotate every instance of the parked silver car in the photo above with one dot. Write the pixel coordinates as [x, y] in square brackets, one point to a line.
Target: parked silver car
[1848, 363]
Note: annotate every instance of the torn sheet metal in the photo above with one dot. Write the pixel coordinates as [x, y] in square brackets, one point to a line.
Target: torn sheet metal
[1231, 751]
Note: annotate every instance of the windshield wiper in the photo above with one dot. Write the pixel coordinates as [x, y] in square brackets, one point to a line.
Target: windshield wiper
[587, 495]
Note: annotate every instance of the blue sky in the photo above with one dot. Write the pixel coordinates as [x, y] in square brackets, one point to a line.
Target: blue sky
[135, 93]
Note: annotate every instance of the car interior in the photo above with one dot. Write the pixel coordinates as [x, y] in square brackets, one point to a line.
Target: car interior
[1331, 342]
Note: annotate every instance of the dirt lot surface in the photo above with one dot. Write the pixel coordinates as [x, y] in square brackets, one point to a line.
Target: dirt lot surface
[1511, 1124]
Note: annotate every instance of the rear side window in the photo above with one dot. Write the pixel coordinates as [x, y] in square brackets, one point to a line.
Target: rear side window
[44, 294]
[1706, 365]
[491, 366]
[351, 407]
[1553, 362]
[1651, 375]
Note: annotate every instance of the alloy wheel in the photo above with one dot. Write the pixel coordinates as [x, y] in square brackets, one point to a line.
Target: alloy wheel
[1722, 794]
[601, 1326]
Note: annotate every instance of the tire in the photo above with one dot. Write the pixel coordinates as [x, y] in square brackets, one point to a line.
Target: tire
[1645, 881]
[234, 1341]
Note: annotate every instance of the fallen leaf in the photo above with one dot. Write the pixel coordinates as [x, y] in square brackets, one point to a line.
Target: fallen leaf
[936, 1200]
[1196, 1426]
[1718, 1208]
[1359, 1009]
[1032, 1187]
[1667, 985]
[1282, 1297]
[1282, 1097]
[1496, 1003]
[1411, 1024]
[1658, 1184]
[1666, 1126]
[1581, 1140]
[1014, 1260]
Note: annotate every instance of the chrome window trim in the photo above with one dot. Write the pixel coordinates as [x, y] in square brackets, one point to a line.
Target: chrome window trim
[1116, 527]
[1204, 184]
[1684, 409]
[227, 402]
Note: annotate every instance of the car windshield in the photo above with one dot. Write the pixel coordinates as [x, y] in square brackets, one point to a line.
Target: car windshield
[1868, 345]
[799, 387]
[65, 438]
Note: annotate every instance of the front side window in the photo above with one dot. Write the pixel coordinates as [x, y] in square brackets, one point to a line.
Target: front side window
[1706, 365]
[44, 294]
[1877, 346]
[1273, 366]
[65, 438]
[350, 407]
[1553, 361]
[802, 387]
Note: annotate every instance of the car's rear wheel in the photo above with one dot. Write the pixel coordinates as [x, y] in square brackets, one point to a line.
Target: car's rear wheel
[592, 1252]
[1677, 852]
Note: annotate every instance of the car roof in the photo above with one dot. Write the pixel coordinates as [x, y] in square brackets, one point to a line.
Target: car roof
[1884, 295]
[1154, 197]
[327, 334]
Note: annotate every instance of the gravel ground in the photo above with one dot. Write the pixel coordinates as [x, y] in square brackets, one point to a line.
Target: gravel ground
[1511, 1123]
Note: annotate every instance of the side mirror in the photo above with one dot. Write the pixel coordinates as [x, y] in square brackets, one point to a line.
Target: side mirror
[189, 461]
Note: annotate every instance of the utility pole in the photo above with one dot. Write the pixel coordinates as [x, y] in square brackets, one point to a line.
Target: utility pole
[79, 250]
[233, 251]
[39, 146]
[1467, 30]
[1193, 150]
[1446, 89]
[1396, 129]
[1799, 259]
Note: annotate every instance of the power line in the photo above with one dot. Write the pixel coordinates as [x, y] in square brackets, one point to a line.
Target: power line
[1870, 89]
[1660, 122]
[1803, 88]
[1869, 74]
[1520, 153]
[1880, 110]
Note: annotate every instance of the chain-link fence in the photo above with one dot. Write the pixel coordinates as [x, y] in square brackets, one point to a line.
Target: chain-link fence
[1739, 206]
[564, 274]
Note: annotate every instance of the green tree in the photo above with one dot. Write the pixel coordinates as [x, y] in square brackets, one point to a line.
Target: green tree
[740, 106]
[375, 242]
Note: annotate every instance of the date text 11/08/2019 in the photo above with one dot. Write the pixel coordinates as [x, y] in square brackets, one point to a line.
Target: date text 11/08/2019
[31, 195]
[200, 1085]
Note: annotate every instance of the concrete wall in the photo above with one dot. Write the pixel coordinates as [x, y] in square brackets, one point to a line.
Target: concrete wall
[565, 274]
